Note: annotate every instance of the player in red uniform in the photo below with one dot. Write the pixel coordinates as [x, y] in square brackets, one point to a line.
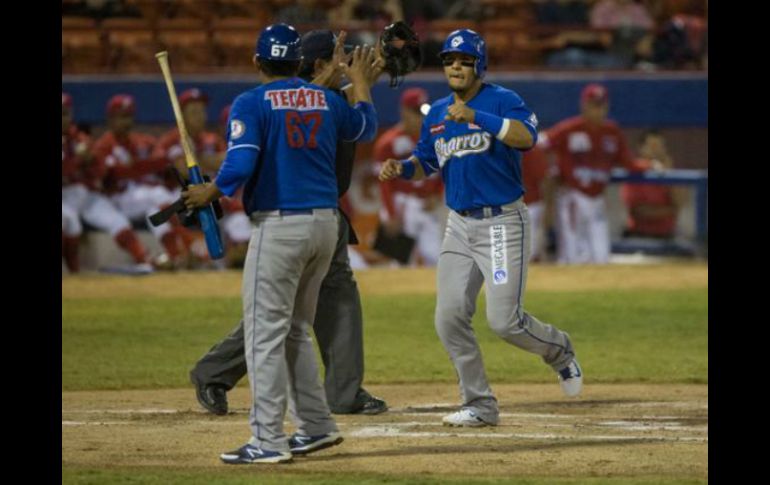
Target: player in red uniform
[406, 205]
[209, 148]
[81, 197]
[587, 147]
[536, 175]
[652, 209]
[130, 176]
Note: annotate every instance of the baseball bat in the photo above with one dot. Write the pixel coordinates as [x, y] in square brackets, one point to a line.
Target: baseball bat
[206, 215]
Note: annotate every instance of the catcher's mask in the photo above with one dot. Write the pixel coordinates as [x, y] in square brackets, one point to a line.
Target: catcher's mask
[400, 58]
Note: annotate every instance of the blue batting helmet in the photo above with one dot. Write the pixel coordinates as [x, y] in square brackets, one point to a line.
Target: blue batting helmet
[279, 42]
[466, 41]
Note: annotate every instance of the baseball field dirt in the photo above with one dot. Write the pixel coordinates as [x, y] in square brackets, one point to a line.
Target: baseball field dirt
[619, 431]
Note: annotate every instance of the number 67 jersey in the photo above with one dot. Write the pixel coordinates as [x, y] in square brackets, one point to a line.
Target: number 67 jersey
[282, 141]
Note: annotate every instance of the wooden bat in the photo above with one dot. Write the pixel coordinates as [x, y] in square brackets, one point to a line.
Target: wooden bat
[206, 217]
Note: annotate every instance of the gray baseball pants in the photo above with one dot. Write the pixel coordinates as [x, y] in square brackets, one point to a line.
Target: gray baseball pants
[287, 259]
[494, 251]
[338, 328]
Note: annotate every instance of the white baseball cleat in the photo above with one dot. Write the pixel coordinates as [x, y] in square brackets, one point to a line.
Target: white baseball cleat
[465, 417]
[571, 379]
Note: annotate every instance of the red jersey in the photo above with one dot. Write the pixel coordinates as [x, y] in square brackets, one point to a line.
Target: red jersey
[635, 195]
[396, 143]
[586, 153]
[126, 159]
[75, 169]
[534, 169]
[206, 143]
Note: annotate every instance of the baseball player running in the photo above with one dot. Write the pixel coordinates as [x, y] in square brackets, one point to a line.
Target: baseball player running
[281, 145]
[474, 137]
[338, 324]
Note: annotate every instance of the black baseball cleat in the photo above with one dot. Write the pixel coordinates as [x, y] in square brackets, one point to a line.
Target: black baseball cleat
[368, 404]
[212, 397]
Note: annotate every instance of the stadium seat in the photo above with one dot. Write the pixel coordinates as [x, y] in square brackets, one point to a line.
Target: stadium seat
[83, 48]
[258, 12]
[234, 39]
[510, 44]
[72, 22]
[189, 50]
[443, 27]
[132, 45]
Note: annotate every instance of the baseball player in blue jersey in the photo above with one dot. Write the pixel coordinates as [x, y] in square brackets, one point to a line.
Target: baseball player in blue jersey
[474, 137]
[338, 324]
[282, 140]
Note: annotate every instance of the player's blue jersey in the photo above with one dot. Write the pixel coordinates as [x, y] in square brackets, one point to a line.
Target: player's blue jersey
[282, 141]
[478, 169]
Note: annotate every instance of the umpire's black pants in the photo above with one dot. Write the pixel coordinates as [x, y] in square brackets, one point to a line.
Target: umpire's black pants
[338, 329]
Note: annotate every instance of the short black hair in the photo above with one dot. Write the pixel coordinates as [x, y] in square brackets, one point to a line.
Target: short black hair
[308, 66]
[279, 68]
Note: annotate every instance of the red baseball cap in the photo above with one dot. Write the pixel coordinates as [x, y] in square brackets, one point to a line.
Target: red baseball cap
[191, 95]
[224, 115]
[414, 98]
[66, 100]
[594, 93]
[121, 103]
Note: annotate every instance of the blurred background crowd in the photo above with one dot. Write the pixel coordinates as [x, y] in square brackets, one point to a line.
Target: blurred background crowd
[121, 36]
[109, 44]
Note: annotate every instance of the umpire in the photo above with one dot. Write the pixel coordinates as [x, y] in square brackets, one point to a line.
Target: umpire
[338, 324]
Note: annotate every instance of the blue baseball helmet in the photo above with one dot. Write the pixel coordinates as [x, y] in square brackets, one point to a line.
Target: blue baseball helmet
[468, 42]
[279, 42]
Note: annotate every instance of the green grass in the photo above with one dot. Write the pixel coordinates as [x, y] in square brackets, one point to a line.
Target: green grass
[267, 476]
[620, 336]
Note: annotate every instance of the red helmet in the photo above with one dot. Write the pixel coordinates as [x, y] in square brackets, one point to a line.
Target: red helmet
[191, 95]
[595, 93]
[121, 103]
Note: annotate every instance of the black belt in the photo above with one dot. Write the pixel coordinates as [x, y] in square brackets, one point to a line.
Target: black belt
[296, 212]
[479, 213]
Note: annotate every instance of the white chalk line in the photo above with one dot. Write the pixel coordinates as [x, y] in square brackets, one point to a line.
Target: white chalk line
[123, 411]
[402, 429]
[389, 431]
[625, 425]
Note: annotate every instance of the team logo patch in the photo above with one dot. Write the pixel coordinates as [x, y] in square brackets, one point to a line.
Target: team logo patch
[460, 146]
[532, 120]
[457, 41]
[498, 254]
[500, 276]
[237, 129]
[439, 128]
